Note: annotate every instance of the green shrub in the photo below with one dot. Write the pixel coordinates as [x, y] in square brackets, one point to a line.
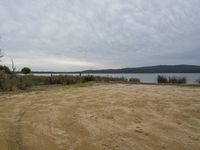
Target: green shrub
[134, 80]
[5, 69]
[26, 70]
[162, 79]
[177, 80]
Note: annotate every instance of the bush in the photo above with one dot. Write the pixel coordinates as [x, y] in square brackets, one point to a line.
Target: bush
[172, 80]
[198, 81]
[25, 82]
[88, 78]
[162, 79]
[11, 82]
[2, 80]
[134, 80]
[177, 80]
[5, 69]
[65, 80]
[109, 79]
[7, 82]
[26, 70]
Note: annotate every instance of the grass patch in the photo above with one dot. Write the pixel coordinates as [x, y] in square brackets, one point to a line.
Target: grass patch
[13, 82]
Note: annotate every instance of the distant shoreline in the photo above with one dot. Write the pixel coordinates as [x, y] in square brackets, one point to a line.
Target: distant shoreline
[152, 69]
[144, 70]
[35, 72]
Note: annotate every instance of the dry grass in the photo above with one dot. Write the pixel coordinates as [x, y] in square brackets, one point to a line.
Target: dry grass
[110, 117]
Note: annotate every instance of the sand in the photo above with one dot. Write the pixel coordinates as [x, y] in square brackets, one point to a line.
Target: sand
[101, 117]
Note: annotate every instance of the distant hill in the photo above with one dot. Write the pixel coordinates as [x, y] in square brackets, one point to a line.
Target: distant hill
[152, 69]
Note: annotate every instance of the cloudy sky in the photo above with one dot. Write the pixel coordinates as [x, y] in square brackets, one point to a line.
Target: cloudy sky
[69, 35]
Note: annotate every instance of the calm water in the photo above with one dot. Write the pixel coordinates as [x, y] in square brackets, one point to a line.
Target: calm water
[150, 77]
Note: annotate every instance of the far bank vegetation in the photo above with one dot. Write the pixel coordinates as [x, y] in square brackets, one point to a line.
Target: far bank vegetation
[171, 80]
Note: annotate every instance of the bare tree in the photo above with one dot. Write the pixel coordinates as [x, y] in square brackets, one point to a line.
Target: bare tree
[13, 65]
[1, 53]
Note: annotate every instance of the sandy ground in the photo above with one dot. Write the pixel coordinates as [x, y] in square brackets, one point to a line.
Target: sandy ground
[102, 117]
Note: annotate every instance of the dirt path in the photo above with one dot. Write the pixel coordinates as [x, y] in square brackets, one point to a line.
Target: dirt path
[104, 117]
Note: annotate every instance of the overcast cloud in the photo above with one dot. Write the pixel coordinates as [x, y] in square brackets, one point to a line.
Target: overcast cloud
[68, 35]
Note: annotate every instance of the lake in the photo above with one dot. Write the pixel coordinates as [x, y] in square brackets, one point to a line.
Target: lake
[146, 77]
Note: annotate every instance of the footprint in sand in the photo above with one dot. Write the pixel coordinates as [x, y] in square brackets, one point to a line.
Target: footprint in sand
[138, 130]
[104, 145]
[147, 134]
[122, 140]
[178, 122]
[194, 138]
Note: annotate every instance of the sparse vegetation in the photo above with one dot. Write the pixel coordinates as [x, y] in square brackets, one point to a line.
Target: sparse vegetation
[198, 81]
[7, 82]
[162, 79]
[134, 80]
[109, 79]
[65, 80]
[10, 81]
[171, 80]
[87, 78]
[177, 80]
[76, 79]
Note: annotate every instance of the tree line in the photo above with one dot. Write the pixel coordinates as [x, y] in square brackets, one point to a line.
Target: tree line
[6, 69]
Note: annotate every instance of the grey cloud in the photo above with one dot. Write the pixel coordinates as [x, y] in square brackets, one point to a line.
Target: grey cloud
[101, 34]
